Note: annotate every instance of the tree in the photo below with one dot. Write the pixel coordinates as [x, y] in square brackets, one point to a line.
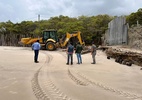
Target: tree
[134, 17]
[87, 25]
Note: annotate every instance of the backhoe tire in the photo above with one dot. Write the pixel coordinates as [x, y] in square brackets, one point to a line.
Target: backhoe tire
[50, 46]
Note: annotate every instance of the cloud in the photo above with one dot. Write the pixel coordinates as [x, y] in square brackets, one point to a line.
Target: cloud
[20, 10]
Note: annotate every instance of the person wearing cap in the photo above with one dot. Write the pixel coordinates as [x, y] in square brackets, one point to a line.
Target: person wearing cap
[78, 51]
[93, 52]
[36, 47]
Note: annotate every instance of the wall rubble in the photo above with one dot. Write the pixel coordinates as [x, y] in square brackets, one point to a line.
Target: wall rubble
[135, 37]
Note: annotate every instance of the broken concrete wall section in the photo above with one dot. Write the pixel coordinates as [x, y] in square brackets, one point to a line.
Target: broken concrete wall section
[117, 33]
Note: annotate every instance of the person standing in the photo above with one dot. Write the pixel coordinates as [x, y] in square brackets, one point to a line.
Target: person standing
[70, 50]
[36, 47]
[78, 51]
[93, 53]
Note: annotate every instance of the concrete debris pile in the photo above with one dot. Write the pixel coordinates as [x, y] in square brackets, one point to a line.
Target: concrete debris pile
[86, 49]
[125, 56]
[135, 37]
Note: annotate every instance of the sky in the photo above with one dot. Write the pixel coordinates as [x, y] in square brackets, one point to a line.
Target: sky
[28, 10]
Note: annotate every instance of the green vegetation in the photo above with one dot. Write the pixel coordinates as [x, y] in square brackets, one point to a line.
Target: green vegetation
[92, 28]
[134, 17]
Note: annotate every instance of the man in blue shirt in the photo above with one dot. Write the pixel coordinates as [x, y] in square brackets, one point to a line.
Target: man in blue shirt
[36, 47]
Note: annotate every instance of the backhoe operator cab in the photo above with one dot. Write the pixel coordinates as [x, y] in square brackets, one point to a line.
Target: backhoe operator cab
[49, 39]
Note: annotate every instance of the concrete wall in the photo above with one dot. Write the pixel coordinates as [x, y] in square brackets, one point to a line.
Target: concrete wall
[117, 32]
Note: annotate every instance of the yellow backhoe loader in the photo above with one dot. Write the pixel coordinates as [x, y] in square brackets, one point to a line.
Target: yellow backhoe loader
[50, 41]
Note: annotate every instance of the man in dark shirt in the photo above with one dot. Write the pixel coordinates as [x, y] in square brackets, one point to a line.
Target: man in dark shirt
[78, 51]
[70, 50]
